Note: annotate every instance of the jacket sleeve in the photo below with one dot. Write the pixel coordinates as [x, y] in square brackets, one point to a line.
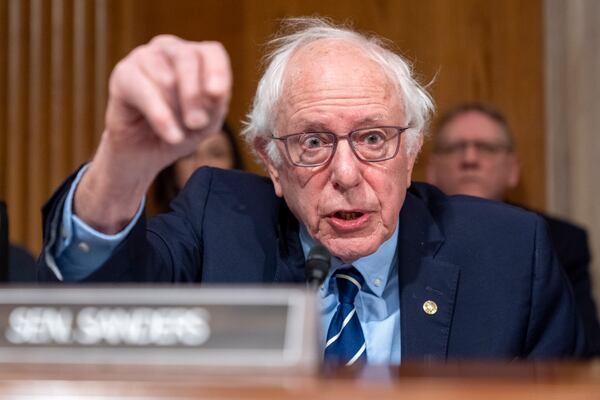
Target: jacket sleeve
[166, 248]
[554, 328]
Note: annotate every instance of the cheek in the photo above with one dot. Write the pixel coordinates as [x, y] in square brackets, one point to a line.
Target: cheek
[302, 194]
[448, 170]
[493, 169]
[390, 189]
[393, 199]
[449, 165]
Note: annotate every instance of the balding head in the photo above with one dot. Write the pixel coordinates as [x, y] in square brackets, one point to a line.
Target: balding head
[473, 153]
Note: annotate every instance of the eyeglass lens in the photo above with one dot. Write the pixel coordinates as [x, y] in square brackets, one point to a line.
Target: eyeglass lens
[372, 144]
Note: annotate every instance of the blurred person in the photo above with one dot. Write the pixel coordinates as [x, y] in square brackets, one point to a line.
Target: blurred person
[474, 154]
[219, 151]
[337, 121]
[16, 263]
[22, 266]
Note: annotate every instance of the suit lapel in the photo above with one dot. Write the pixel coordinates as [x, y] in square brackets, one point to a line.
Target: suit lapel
[290, 258]
[425, 283]
[422, 278]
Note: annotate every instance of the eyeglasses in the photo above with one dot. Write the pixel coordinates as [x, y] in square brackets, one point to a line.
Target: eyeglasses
[312, 149]
[483, 148]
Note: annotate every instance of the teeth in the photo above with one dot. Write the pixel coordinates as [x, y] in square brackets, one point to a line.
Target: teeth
[348, 215]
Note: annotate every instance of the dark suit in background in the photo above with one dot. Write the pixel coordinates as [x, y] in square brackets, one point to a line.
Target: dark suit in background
[489, 267]
[571, 245]
[22, 267]
[16, 263]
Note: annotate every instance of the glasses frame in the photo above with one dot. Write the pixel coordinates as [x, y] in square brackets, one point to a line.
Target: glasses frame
[336, 139]
[459, 148]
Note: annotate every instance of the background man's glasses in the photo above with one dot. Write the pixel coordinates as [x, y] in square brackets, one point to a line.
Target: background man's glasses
[312, 149]
[483, 148]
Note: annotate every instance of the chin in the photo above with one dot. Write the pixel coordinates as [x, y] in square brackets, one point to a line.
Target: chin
[470, 190]
[349, 250]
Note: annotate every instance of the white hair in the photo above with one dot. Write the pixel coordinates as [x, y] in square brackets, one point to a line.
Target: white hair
[417, 103]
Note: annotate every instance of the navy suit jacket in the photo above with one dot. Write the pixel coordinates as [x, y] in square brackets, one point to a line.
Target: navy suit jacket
[489, 267]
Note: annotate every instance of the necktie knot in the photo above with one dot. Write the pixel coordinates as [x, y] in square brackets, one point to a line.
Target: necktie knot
[349, 282]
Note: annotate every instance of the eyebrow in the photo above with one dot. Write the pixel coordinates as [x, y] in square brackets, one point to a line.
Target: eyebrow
[363, 123]
[314, 127]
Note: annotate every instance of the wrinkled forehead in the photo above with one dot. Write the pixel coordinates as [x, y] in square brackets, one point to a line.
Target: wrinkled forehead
[310, 62]
[335, 68]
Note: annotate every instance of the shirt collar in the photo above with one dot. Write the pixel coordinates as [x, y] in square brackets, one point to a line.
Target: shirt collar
[375, 268]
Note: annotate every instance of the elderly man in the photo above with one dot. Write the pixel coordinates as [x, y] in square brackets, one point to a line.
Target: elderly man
[337, 120]
[474, 154]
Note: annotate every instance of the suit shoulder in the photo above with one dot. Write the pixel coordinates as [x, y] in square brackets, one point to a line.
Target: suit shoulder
[232, 181]
[478, 229]
[563, 227]
[475, 210]
[495, 244]
[234, 189]
[231, 176]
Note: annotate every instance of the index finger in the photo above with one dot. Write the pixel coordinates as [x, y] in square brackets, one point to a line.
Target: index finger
[216, 70]
[203, 76]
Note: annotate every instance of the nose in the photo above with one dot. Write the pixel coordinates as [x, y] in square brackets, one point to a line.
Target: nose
[470, 157]
[345, 167]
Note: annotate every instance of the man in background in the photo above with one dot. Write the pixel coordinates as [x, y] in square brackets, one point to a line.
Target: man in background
[474, 154]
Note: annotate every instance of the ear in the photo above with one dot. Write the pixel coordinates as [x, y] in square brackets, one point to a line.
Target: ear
[412, 158]
[514, 171]
[260, 145]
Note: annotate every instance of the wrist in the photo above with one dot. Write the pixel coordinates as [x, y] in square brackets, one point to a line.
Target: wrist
[111, 191]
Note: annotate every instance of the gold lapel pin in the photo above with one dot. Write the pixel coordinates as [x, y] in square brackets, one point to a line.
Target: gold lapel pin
[430, 307]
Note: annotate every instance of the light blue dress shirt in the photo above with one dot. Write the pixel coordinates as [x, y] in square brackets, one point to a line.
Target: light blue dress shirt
[81, 250]
[377, 303]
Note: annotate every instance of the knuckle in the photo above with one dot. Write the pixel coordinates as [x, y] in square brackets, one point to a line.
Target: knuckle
[119, 75]
[182, 54]
[118, 69]
[187, 66]
[164, 39]
[213, 45]
[168, 81]
[138, 53]
[215, 50]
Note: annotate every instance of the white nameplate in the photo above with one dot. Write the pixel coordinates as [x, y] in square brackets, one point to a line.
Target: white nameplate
[177, 325]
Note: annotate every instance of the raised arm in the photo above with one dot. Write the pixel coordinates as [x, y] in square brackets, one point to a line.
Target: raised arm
[164, 97]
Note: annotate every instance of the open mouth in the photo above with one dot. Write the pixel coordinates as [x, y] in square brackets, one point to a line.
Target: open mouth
[348, 215]
[349, 220]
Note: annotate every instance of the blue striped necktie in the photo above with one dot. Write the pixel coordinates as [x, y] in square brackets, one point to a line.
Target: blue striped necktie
[345, 340]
